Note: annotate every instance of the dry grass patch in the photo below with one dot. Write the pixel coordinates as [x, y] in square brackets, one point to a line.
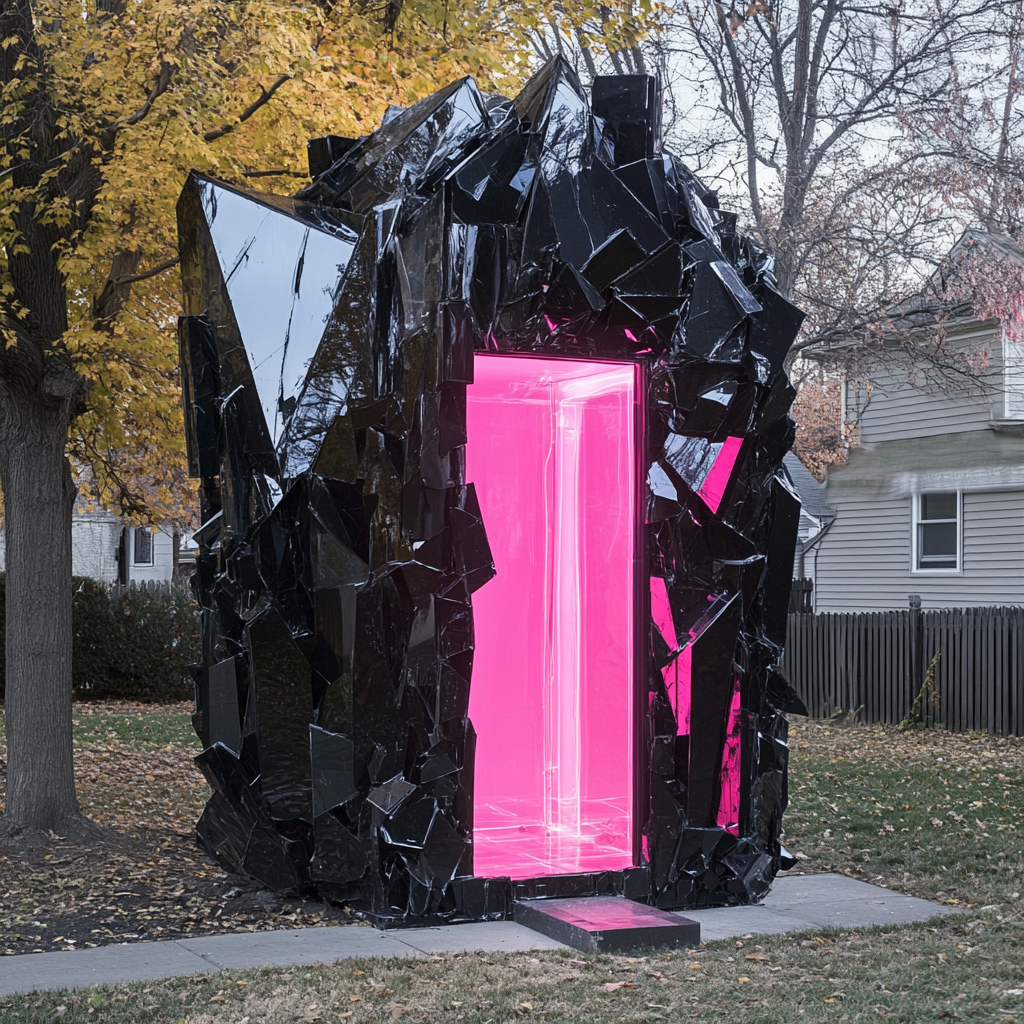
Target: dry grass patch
[932, 814]
[965, 969]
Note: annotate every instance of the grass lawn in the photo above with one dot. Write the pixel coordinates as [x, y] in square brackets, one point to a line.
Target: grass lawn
[926, 813]
[971, 970]
[930, 814]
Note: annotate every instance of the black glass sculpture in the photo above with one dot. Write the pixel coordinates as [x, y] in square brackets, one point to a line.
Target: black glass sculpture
[495, 338]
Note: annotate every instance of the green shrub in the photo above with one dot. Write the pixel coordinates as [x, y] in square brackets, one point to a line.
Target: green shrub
[131, 644]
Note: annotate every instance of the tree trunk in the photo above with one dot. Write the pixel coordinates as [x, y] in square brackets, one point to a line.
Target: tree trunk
[39, 493]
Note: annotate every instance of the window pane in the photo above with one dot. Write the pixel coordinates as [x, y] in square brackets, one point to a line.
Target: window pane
[938, 506]
[143, 546]
[937, 545]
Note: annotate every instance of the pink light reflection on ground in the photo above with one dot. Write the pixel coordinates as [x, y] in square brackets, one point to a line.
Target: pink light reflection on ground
[551, 451]
[715, 483]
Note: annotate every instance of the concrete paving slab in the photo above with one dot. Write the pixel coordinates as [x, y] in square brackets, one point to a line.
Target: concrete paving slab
[815, 888]
[805, 902]
[487, 936]
[298, 946]
[148, 961]
[731, 922]
[141, 961]
[796, 903]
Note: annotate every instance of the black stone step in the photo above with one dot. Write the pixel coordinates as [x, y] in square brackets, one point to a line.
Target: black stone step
[602, 924]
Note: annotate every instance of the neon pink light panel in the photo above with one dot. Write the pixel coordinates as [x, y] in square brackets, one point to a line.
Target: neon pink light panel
[552, 452]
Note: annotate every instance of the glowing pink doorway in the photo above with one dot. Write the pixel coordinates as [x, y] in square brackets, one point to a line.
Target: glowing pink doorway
[552, 452]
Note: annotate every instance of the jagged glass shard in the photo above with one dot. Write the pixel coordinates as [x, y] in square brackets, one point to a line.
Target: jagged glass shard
[772, 334]
[646, 180]
[713, 317]
[553, 105]
[338, 856]
[332, 766]
[410, 824]
[745, 302]
[282, 265]
[412, 147]
[224, 832]
[342, 368]
[224, 725]
[281, 681]
[390, 796]
[630, 106]
[494, 183]
[496, 543]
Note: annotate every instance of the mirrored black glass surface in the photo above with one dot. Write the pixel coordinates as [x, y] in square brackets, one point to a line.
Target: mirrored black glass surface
[327, 348]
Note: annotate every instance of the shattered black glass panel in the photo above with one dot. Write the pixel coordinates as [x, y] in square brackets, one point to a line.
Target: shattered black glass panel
[328, 345]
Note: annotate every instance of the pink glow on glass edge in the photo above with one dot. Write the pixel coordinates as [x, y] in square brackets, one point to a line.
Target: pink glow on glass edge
[713, 488]
[552, 452]
[661, 612]
[677, 682]
[729, 803]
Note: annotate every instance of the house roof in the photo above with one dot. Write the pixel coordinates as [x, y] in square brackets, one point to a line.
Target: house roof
[810, 492]
[920, 309]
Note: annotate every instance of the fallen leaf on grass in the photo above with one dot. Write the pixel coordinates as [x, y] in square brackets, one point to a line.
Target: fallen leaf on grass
[611, 986]
[756, 956]
[524, 1006]
[219, 997]
[743, 981]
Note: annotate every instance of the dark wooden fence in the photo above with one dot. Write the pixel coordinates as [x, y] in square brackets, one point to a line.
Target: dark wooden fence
[878, 661]
[801, 596]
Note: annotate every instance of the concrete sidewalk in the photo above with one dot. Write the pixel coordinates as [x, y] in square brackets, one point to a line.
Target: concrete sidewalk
[797, 903]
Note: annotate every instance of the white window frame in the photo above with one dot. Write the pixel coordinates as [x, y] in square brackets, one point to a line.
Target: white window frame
[915, 521]
[152, 547]
[1013, 374]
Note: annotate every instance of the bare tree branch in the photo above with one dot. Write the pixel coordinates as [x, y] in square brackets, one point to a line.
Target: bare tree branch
[264, 98]
[146, 274]
[163, 81]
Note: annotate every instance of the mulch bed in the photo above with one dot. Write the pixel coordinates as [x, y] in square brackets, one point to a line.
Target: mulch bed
[143, 877]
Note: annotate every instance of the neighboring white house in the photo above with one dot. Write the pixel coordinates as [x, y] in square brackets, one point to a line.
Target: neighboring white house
[931, 499]
[100, 542]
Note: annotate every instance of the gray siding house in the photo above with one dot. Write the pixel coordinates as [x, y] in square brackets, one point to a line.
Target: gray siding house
[931, 499]
[100, 542]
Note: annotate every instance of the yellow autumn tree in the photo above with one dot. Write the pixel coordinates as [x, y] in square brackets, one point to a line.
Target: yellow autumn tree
[106, 105]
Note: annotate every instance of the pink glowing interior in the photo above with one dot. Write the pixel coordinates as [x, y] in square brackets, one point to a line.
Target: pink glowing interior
[552, 452]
